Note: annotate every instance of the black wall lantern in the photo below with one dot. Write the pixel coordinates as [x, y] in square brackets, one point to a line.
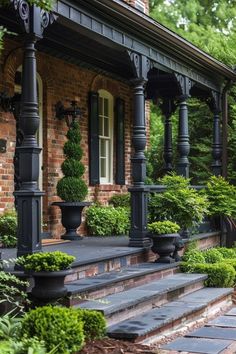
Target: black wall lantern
[69, 114]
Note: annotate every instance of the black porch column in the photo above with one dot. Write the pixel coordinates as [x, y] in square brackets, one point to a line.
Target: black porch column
[29, 195]
[139, 193]
[183, 137]
[217, 142]
[168, 109]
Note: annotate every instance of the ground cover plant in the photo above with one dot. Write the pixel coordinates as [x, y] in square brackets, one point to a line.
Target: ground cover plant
[8, 229]
[218, 263]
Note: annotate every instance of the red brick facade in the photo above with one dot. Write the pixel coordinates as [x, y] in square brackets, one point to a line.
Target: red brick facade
[61, 81]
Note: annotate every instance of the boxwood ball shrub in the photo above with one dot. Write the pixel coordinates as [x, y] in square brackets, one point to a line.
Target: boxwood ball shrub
[56, 326]
[227, 252]
[46, 261]
[72, 188]
[212, 256]
[8, 229]
[193, 256]
[107, 220]
[94, 323]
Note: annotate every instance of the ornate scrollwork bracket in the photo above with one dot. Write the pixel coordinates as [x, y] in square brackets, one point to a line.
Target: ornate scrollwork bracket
[215, 103]
[168, 107]
[141, 65]
[33, 19]
[185, 85]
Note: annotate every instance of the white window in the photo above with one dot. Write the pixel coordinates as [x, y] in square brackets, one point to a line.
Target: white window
[105, 137]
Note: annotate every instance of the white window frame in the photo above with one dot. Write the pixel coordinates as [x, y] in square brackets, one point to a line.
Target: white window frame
[108, 179]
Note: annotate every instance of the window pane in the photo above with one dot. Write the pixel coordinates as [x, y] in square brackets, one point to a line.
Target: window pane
[103, 167]
[106, 127]
[103, 148]
[106, 107]
[100, 105]
[100, 125]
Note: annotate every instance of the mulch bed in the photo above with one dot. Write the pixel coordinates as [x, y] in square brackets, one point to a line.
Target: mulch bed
[113, 346]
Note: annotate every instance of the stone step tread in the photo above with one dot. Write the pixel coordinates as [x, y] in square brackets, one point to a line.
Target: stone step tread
[127, 299]
[105, 279]
[158, 317]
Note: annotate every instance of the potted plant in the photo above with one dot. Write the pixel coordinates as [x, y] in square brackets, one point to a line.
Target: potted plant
[179, 203]
[163, 235]
[72, 188]
[49, 270]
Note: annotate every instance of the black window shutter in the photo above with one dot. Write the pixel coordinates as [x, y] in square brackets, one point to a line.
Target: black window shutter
[120, 141]
[93, 139]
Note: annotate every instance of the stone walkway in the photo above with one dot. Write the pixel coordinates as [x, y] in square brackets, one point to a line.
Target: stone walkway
[216, 337]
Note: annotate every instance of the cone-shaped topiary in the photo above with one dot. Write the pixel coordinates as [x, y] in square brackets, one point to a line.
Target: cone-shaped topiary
[71, 188]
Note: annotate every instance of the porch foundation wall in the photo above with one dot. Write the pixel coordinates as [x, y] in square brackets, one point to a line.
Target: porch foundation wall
[64, 82]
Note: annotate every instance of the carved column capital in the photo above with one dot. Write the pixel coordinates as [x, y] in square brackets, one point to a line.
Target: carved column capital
[185, 85]
[215, 103]
[140, 65]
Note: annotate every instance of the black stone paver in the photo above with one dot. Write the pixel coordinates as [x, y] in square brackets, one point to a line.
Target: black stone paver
[129, 298]
[214, 332]
[223, 321]
[198, 345]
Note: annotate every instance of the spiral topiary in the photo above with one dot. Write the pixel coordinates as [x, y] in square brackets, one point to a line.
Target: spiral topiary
[72, 188]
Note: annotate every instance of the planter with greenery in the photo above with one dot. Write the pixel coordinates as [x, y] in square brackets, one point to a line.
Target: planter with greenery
[49, 270]
[72, 188]
[164, 235]
[179, 203]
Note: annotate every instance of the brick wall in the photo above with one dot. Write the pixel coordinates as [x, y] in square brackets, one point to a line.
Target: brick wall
[61, 81]
[139, 4]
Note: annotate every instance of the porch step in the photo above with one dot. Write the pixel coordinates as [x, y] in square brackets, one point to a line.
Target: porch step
[116, 281]
[162, 321]
[124, 305]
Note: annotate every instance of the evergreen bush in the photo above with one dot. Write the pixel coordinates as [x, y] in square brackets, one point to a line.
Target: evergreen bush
[193, 256]
[227, 252]
[94, 323]
[219, 274]
[72, 188]
[56, 326]
[120, 200]
[8, 229]
[212, 256]
[107, 221]
[46, 261]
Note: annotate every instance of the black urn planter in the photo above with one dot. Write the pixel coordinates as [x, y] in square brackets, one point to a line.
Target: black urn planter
[49, 285]
[164, 246]
[71, 218]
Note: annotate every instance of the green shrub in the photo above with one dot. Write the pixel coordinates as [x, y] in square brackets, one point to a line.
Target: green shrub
[231, 261]
[46, 261]
[120, 200]
[163, 227]
[8, 229]
[25, 346]
[212, 256]
[94, 323]
[12, 290]
[72, 168]
[56, 326]
[105, 221]
[221, 196]
[179, 203]
[193, 256]
[227, 252]
[219, 274]
[72, 188]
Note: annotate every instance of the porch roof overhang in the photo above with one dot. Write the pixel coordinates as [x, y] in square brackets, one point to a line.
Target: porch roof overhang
[101, 33]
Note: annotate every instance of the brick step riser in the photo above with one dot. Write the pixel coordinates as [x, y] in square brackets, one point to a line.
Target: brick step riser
[121, 286]
[152, 303]
[88, 270]
[186, 323]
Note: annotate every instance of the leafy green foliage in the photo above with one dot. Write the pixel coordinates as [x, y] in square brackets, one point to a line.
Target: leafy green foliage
[193, 256]
[94, 323]
[227, 252]
[107, 221]
[72, 187]
[120, 200]
[12, 290]
[163, 227]
[56, 326]
[219, 274]
[8, 229]
[9, 327]
[179, 203]
[213, 256]
[24, 346]
[46, 261]
[221, 196]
